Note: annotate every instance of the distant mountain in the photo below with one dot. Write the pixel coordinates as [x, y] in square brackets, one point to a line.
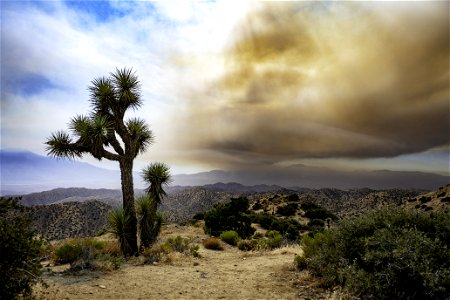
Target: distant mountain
[25, 172]
[61, 195]
[232, 187]
[301, 176]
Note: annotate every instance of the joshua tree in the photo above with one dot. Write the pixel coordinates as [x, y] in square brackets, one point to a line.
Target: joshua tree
[105, 134]
[156, 175]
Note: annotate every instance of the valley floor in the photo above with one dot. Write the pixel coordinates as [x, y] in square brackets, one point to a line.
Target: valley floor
[228, 274]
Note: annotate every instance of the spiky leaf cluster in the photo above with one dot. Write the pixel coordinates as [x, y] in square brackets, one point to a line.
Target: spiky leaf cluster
[105, 128]
[158, 175]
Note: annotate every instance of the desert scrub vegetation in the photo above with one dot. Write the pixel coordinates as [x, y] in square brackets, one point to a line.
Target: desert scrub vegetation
[87, 253]
[289, 209]
[313, 211]
[289, 228]
[161, 251]
[212, 243]
[388, 254]
[273, 239]
[229, 216]
[230, 237]
[20, 251]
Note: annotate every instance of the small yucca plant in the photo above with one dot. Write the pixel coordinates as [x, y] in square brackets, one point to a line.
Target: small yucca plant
[120, 226]
[157, 175]
[149, 220]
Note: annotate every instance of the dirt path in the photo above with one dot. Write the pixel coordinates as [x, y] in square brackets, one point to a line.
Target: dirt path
[228, 274]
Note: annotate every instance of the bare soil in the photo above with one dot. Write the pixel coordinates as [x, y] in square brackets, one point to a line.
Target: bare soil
[227, 274]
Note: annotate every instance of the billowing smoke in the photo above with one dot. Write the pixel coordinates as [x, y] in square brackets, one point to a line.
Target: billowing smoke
[326, 80]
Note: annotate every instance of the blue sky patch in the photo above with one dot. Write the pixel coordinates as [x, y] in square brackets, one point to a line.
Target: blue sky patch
[101, 10]
[29, 84]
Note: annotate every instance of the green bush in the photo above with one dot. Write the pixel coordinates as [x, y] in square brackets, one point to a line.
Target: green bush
[274, 240]
[293, 198]
[229, 216]
[319, 213]
[199, 216]
[194, 250]
[288, 210]
[389, 254]
[289, 228]
[68, 253]
[230, 237]
[300, 262]
[20, 251]
[87, 253]
[309, 205]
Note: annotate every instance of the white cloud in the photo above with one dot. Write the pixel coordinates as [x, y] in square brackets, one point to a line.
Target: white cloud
[170, 44]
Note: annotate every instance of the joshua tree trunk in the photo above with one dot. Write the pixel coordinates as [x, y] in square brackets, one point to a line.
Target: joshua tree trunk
[126, 172]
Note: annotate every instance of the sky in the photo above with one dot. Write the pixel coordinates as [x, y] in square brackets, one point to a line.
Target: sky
[353, 85]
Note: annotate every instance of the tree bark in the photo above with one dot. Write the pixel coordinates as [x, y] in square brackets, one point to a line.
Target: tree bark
[126, 172]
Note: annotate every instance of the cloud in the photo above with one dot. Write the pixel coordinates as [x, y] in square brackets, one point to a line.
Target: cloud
[236, 83]
[52, 50]
[326, 80]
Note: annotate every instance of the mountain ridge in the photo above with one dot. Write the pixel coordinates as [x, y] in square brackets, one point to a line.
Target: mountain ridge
[25, 172]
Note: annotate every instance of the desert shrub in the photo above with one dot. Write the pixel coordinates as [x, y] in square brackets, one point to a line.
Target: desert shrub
[300, 262]
[212, 243]
[67, 253]
[293, 198]
[87, 253]
[193, 249]
[178, 244]
[20, 251]
[257, 205]
[288, 210]
[230, 237]
[274, 240]
[263, 219]
[154, 253]
[229, 216]
[289, 228]
[158, 252]
[308, 205]
[199, 216]
[389, 254]
[247, 245]
[316, 222]
[319, 213]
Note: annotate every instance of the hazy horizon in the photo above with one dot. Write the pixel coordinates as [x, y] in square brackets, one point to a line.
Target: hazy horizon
[236, 86]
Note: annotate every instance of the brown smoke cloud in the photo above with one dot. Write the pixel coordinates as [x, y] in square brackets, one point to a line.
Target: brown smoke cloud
[326, 80]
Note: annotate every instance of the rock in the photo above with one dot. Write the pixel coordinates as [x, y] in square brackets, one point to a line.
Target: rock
[102, 286]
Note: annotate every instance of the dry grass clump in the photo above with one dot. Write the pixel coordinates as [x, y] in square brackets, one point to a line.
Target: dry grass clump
[169, 251]
[212, 243]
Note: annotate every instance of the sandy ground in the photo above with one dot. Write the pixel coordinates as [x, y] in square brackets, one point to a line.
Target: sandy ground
[227, 274]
